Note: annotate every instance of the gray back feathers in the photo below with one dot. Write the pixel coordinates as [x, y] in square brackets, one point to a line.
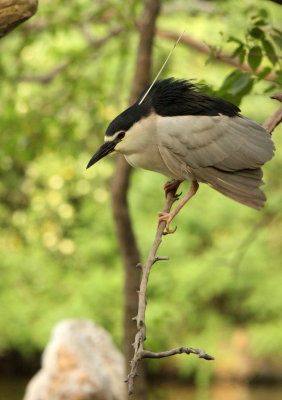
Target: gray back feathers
[225, 152]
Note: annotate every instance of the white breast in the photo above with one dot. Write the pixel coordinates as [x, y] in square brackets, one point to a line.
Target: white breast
[140, 146]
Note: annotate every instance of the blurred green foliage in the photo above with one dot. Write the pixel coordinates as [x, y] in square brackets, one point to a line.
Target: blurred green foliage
[59, 254]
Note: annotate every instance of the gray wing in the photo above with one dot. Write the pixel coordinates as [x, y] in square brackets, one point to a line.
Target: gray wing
[225, 152]
[227, 143]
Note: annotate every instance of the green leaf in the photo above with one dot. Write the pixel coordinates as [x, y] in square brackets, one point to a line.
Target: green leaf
[279, 76]
[277, 31]
[279, 79]
[242, 84]
[237, 51]
[255, 57]
[260, 22]
[269, 51]
[211, 56]
[228, 81]
[263, 13]
[242, 56]
[256, 33]
[240, 52]
[264, 73]
[234, 39]
[278, 40]
[269, 88]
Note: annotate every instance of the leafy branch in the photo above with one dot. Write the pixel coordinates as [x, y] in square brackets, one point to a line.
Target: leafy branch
[256, 57]
[261, 41]
[214, 53]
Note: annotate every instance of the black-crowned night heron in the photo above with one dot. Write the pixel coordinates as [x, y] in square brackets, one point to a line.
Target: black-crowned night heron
[187, 135]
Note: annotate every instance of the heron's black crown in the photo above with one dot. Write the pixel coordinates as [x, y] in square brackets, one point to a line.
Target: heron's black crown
[168, 98]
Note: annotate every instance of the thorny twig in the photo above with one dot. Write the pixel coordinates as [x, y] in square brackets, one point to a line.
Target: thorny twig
[139, 352]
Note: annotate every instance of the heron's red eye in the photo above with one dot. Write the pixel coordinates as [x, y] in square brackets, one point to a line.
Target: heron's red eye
[121, 135]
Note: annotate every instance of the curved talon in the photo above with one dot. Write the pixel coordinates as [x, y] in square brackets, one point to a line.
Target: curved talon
[167, 217]
[177, 195]
[169, 231]
[171, 186]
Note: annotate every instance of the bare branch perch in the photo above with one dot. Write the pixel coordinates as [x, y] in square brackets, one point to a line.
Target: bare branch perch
[178, 350]
[139, 352]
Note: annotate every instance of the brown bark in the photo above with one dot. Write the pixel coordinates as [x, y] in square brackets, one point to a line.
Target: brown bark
[276, 118]
[128, 246]
[14, 12]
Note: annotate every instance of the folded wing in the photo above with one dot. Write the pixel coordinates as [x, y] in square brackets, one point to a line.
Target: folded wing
[225, 152]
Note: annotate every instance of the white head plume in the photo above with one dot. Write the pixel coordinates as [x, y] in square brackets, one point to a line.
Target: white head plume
[158, 74]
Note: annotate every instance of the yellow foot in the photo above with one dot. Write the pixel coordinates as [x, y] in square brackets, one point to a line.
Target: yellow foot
[168, 218]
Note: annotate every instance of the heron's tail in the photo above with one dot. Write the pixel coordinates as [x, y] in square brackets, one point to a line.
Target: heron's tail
[242, 186]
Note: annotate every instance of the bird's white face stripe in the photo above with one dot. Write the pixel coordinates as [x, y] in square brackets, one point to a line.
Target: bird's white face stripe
[112, 137]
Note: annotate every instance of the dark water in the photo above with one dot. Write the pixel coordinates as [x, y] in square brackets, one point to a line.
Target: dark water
[13, 389]
[223, 391]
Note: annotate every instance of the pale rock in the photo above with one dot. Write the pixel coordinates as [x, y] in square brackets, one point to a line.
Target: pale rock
[80, 362]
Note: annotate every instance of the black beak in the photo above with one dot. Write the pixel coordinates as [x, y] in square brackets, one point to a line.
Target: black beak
[106, 148]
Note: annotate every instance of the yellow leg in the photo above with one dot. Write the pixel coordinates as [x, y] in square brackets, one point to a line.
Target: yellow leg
[168, 217]
[172, 186]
